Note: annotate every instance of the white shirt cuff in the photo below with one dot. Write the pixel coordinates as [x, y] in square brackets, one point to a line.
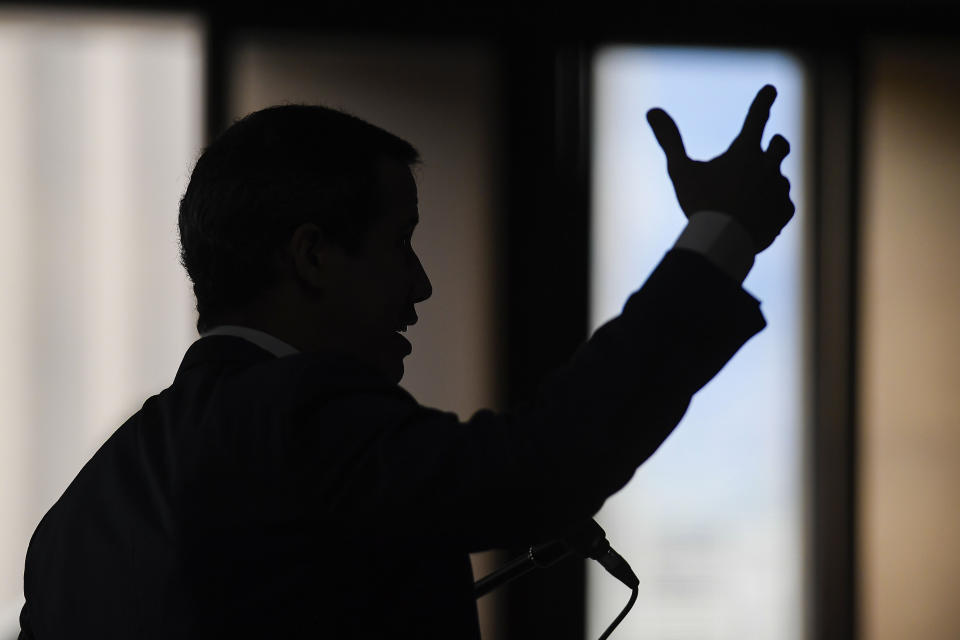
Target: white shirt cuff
[721, 240]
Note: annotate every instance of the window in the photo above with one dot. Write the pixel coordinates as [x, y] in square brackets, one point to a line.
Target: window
[101, 121]
[713, 523]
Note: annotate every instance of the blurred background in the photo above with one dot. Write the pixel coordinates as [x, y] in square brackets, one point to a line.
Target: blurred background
[811, 490]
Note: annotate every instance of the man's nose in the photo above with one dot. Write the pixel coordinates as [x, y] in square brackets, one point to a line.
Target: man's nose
[422, 289]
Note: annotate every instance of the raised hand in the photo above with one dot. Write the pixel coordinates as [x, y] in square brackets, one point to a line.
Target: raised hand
[744, 182]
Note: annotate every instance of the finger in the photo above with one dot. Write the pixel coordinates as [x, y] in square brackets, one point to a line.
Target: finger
[790, 208]
[668, 136]
[777, 150]
[757, 116]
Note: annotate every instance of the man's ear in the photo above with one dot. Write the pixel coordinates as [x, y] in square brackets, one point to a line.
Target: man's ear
[309, 253]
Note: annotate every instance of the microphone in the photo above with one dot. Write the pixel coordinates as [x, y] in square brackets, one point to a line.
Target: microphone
[590, 541]
[587, 540]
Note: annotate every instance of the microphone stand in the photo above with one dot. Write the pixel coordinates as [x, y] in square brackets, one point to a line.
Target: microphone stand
[537, 557]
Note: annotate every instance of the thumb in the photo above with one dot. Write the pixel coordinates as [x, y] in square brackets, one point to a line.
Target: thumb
[668, 136]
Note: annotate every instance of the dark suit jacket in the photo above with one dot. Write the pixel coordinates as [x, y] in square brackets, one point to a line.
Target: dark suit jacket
[309, 497]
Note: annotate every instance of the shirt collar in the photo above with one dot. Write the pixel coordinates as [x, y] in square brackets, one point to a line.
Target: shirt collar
[262, 339]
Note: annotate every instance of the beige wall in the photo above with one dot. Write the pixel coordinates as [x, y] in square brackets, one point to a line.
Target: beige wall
[910, 345]
[440, 97]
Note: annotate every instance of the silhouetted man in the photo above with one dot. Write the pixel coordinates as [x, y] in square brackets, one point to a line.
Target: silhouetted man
[285, 486]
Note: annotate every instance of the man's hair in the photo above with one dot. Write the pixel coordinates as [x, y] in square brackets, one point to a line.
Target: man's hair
[264, 176]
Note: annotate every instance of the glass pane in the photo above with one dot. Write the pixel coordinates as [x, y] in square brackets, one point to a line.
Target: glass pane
[100, 121]
[713, 523]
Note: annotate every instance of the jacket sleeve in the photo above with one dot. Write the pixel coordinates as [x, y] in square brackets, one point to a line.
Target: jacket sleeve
[377, 459]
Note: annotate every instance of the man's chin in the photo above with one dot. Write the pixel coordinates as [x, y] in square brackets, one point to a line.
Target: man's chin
[393, 359]
[393, 369]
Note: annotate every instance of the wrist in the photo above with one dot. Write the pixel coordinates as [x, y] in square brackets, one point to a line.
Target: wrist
[721, 239]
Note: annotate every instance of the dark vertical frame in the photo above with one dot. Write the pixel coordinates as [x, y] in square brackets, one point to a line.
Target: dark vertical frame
[546, 234]
[216, 80]
[832, 597]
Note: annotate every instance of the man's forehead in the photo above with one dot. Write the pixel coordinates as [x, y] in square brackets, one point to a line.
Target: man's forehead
[396, 182]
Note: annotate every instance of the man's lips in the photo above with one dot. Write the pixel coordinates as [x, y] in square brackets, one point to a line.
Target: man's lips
[407, 347]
